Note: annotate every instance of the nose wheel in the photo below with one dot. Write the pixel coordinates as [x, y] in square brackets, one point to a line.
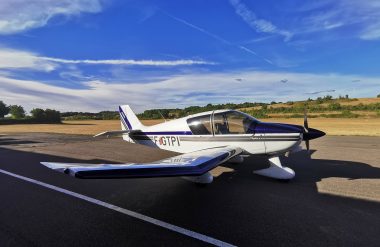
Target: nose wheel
[276, 170]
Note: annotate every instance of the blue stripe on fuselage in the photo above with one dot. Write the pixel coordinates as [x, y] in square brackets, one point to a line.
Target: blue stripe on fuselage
[271, 128]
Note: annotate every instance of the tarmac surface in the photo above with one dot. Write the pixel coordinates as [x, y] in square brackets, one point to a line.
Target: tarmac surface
[334, 199]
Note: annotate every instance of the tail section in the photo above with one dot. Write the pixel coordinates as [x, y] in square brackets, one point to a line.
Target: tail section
[128, 118]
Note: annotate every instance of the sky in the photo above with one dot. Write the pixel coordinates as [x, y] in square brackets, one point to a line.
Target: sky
[93, 55]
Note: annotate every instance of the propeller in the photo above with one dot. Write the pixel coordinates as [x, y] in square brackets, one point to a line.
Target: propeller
[310, 133]
[305, 122]
[306, 127]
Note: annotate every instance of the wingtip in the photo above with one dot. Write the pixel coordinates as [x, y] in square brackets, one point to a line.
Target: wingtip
[59, 167]
[47, 164]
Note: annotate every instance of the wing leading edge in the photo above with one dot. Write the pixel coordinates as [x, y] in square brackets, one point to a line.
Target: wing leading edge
[190, 164]
[116, 132]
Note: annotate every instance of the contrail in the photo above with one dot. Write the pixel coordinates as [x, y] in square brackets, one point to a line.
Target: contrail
[129, 62]
[202, 30]
[198, 28]
[325, 91]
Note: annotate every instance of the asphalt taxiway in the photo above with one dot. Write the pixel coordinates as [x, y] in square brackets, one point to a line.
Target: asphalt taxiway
[334, 199]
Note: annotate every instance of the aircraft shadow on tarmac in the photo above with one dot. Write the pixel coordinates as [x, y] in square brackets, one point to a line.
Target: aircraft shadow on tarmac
[320, 168]
[77, 124]
[314, 170]
[14, 141]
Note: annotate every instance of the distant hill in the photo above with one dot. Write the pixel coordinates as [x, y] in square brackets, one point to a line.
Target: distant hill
[342, 101]
[327, 106]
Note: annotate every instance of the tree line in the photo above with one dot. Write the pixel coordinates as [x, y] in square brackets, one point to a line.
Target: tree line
[325, 105]
[18, 115]
[103, 115]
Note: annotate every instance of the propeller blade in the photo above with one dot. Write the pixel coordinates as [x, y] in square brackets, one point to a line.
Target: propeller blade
[307, 145]
[305, 122]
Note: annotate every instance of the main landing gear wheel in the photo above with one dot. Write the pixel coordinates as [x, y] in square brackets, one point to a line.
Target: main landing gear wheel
[203, 179]
[276, 170]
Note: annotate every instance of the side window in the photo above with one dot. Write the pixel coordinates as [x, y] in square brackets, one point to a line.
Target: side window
[200, 125]
[220, 124]
[232, 123]
[237, 123]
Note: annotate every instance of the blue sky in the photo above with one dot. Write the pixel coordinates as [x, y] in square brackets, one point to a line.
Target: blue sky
[92, 55]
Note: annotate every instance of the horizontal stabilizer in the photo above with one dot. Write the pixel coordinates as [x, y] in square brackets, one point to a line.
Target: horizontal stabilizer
[116, 133]
[190, 164]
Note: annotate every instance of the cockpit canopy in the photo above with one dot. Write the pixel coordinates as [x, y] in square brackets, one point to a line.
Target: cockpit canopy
[224, 123]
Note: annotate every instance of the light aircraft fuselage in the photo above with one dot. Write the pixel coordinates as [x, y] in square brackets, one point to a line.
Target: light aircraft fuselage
[216, 129]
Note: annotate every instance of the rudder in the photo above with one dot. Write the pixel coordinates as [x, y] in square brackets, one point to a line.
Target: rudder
[129, 119]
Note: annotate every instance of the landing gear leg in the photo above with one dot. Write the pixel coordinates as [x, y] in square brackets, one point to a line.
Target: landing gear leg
[236, 160]
[276, 170]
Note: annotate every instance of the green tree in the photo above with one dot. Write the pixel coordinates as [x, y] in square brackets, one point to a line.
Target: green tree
[4, 109]
[108, 115]
[38, 114]
[17, 111]
[377, 96]
[53, 116]
[334, 106]
[48, 115]
[328, 97]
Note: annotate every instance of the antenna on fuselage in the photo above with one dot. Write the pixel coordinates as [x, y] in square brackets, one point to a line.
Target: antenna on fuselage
[161, 115]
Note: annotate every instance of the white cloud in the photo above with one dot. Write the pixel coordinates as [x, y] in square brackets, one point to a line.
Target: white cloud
[15, 59]
[183, 90]
[20, 15]
[257, 24]
[372, 32]
[363, 16]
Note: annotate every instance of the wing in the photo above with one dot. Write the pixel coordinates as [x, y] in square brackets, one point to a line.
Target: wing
[190, 164]
[116, 132]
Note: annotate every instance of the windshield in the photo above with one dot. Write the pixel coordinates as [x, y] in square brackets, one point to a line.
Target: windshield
[234, 122]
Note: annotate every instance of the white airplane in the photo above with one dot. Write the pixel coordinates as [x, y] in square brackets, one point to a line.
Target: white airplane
[206, 140]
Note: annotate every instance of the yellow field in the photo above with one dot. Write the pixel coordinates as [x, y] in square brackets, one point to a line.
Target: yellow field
[364, 101]
[332, 126]
[362, 114]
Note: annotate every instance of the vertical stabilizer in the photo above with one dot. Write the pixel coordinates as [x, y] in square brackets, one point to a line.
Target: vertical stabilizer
[128, 118]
